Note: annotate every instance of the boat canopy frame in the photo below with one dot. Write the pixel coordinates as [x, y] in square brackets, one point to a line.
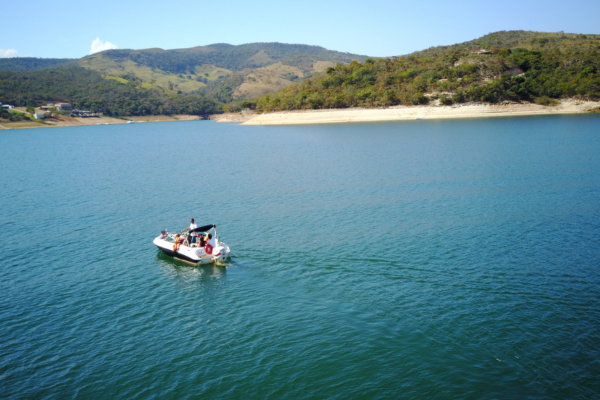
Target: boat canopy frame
[204, 228]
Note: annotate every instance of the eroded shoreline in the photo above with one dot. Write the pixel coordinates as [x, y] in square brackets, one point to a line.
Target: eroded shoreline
[349, 115]
[402, 113]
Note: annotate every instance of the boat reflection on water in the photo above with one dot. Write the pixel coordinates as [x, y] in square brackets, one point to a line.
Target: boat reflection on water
[186, 273]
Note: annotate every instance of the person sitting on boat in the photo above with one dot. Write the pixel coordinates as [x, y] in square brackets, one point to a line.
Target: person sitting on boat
[212, 240]
[201, 241]
[163, 235]
[177, 243]
[191, 229]
[212, 243]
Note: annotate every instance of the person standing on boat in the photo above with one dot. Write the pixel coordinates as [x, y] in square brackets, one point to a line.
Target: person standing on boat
[193, 233]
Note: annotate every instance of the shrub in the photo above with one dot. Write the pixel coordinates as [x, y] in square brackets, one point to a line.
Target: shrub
[445, 100]
[546, 101]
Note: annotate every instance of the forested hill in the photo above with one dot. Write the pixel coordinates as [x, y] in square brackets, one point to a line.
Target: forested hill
[513, 66]
[20, 64]
[154, 81]
[234, 58]
[88, 90]
[221, 71]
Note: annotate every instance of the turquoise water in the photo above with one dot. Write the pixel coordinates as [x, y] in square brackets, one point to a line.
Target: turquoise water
[425, 259]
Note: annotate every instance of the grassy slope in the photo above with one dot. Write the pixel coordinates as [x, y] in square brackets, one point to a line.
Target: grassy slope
[154, 76]
[555, 64]
[261, 67]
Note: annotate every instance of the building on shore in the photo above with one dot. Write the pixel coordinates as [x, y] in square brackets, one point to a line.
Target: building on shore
[63, 106]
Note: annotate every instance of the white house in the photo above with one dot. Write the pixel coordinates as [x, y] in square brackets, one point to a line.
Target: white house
[39, 115]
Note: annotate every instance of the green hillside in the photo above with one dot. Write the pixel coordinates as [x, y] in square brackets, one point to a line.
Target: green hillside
[223, 71]
[157, 81]
[130, 70]
[520, 66]
[89, 90]
[155, 77]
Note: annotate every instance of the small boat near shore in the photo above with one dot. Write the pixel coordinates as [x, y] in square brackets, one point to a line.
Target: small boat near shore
[213, 251]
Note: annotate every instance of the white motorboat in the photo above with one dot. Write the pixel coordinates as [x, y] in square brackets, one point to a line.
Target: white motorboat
[193, 252]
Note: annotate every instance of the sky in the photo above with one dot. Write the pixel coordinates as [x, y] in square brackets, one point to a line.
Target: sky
[376, 28]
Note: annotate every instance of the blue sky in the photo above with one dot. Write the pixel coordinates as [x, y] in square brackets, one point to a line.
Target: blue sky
[375, 27]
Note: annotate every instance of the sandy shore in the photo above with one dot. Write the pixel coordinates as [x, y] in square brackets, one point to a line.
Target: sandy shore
[400, 113]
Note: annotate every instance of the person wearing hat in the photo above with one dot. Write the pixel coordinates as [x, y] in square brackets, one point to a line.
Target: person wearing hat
[163, 235]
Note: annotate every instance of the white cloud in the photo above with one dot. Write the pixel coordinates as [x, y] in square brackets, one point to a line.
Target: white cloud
[98, 45]
[6, 53]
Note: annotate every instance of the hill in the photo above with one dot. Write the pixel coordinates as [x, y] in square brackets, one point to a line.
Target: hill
[156, 81]
[88, 90]
[221, 70]
[514, 66]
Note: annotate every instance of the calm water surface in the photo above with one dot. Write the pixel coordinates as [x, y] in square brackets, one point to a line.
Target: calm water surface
[425, 259]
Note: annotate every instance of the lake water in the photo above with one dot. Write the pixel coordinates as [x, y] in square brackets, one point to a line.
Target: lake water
[424, 259]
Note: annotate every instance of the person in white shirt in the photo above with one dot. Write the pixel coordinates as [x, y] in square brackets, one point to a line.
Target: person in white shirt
[191, 228]
[211, 244]
[212, 240]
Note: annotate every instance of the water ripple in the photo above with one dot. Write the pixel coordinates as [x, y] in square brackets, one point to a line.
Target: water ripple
[434, 260]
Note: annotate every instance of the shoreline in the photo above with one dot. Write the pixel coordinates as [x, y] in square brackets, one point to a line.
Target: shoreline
[407, 113]
[333, 116]
[61, 121]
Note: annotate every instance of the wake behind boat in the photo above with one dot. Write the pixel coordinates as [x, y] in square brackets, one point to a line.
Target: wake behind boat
[178, 245]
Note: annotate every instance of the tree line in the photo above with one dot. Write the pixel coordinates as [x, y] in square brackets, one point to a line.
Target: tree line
[21, 64]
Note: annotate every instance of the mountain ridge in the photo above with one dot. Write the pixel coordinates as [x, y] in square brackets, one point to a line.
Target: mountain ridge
[515, 66]
[185, 69]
